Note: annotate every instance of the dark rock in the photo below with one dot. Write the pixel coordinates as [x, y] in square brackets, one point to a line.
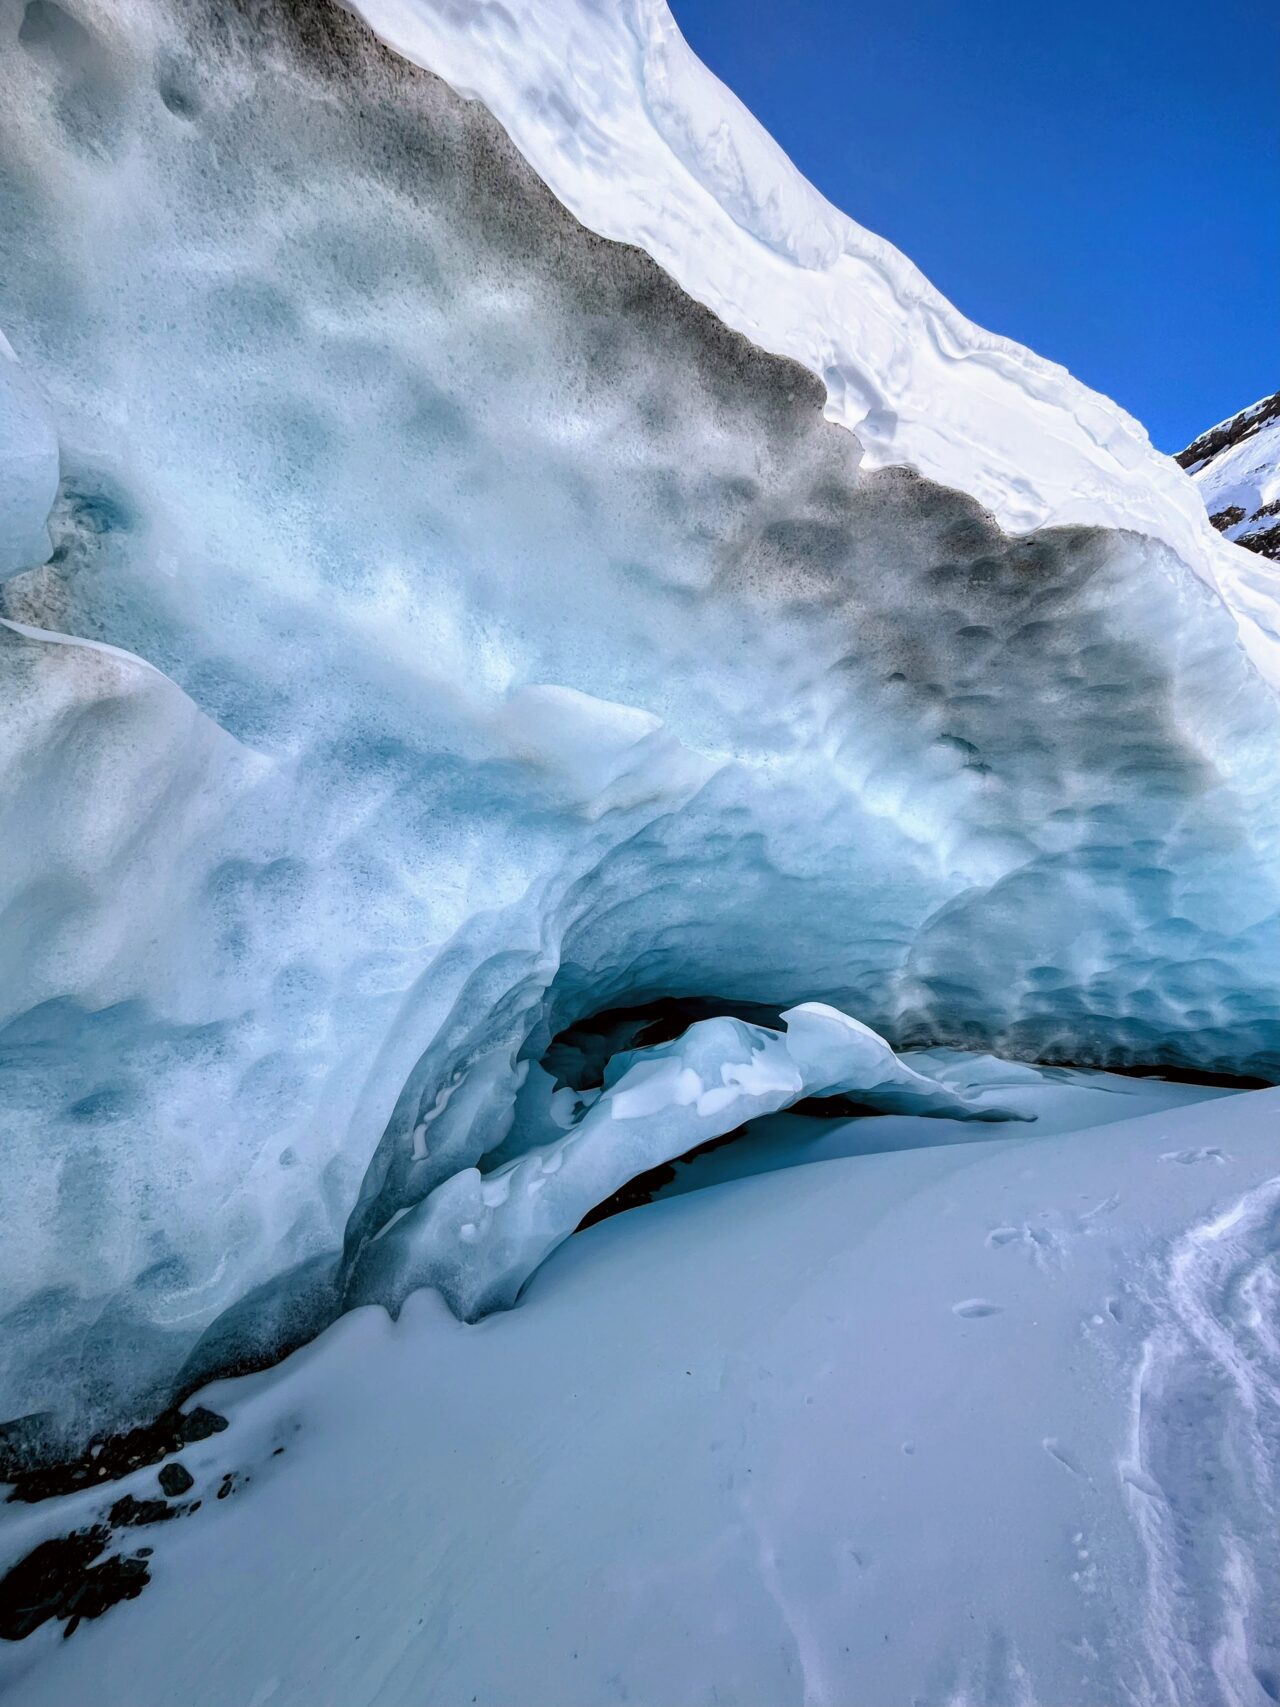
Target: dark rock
[199, 1424]
[175, 1479]
[38, 1586]
[1229, 433]
[128, 1513]
[116, 1579]
[59, 1579]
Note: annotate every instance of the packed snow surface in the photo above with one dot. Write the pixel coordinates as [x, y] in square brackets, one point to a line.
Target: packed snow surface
[983, 1423]
[457, 626]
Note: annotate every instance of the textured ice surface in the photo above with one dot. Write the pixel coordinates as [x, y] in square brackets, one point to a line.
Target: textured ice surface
[453, 629]
[647, 146]
[985, 1424]
[28, 468]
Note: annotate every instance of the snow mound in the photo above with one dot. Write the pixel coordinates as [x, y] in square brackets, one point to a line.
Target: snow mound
[454, 629]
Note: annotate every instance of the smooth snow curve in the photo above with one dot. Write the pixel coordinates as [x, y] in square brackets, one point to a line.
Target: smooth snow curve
[757, 1445]
[453, 630]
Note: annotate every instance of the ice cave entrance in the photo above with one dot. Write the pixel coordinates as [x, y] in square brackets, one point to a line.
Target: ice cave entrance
[633, 1102]
[843, 1123]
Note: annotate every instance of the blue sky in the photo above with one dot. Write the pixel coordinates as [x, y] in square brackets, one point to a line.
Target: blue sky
[1100, 181]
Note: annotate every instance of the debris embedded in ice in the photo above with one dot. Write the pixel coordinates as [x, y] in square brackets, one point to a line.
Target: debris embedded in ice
[108, 1459]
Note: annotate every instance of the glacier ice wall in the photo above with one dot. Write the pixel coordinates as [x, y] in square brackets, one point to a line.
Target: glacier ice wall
[645, 145]
[452, 629]
[29, 470]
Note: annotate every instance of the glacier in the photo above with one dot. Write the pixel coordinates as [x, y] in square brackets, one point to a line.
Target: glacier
[471, 608]
[487, 552]
[540, 657]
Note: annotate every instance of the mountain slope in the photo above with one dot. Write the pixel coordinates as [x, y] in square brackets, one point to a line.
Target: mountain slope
[1237, 468]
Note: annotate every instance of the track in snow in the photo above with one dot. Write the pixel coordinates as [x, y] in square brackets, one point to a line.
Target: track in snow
[1200, 1477]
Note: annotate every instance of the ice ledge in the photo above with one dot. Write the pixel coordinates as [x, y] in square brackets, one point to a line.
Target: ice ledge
[478, 1237]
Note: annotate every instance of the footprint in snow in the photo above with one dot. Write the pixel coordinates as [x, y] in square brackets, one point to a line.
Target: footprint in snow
[975, 1307]
[1060, 1455]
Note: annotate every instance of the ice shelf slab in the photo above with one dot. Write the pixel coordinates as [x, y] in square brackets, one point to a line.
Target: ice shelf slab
[646, 145]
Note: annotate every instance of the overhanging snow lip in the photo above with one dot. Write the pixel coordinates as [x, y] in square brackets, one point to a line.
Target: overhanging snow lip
[642, 177]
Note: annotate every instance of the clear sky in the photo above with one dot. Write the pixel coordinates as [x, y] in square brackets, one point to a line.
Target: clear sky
[1099, 180]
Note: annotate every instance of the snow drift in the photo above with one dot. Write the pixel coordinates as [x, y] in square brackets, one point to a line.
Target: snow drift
[454, 628]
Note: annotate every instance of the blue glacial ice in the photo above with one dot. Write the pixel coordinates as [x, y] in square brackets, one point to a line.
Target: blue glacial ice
[451, 629]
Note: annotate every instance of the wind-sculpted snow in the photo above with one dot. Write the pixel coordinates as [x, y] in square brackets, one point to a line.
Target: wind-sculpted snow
[453, 630]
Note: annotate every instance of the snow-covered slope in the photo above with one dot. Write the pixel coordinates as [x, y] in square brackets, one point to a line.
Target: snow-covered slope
[984, 1424]
[1236, 465]
[455, 629]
